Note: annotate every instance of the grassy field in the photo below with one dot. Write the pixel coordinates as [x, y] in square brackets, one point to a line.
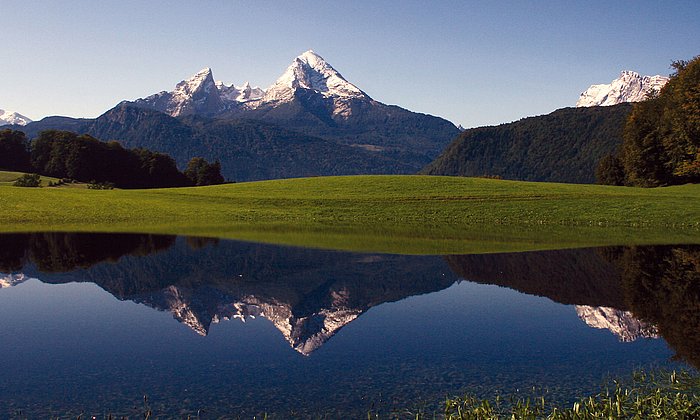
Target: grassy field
[404, 214]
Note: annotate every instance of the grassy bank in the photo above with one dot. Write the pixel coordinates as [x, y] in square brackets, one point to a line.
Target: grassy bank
[648, 396]
[407, 214]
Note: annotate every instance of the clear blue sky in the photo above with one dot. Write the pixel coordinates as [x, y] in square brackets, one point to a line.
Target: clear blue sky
[472, 62]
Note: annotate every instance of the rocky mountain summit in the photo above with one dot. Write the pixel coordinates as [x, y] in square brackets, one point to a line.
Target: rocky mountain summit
[629, 87]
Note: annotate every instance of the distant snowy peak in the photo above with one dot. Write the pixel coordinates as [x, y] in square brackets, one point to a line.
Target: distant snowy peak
[629, 87]
[9, 117]
[310, 71]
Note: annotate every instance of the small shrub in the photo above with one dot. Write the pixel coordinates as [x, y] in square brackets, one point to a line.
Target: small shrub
[100, 186]
[28, 180]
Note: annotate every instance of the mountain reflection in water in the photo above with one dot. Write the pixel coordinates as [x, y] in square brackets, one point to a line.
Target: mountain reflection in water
[309, 295]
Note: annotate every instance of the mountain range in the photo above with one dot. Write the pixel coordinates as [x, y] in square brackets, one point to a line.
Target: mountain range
[310, 122]
[313, 98]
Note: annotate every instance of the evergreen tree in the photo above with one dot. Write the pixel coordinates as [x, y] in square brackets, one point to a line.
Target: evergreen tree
[200, 172]
[14, 151]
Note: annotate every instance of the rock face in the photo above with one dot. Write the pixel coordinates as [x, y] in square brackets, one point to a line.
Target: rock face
[629, 87]
[12, 118]
[621, 323]
[239, 94]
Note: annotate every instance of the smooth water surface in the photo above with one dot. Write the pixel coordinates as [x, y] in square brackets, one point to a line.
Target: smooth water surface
[92, 323]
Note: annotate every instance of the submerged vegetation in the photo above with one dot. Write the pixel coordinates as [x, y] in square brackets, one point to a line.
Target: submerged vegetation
[647, 395]
[402, 214]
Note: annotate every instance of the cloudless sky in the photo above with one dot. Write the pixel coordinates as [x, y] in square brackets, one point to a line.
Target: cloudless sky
[472, 62]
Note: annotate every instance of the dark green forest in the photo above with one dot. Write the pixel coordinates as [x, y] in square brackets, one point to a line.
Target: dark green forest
[564, 146]
[67, 155]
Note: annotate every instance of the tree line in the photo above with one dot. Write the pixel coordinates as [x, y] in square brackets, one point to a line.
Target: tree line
[661, 138]
[64, 154]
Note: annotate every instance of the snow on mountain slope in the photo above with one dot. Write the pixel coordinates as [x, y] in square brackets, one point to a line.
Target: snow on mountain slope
[201, 95]
[629, 87]
[245, 93]
[10, 117]
[311, 71]
[196, 95]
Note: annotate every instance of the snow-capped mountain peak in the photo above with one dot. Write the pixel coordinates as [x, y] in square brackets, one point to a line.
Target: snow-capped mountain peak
[196, 95]
[10, 117]
[311, 71]
[629, 87]
[203, 79]
[200, 94]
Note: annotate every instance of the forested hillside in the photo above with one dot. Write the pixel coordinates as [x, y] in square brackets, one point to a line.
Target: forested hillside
[564, 146]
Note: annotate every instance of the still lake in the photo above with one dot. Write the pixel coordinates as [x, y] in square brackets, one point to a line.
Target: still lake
[93, 322]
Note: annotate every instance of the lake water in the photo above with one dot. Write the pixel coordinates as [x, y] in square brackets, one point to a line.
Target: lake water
[92, 323]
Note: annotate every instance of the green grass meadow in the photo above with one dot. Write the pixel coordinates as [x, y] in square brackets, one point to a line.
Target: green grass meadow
[7, 178]
[399, 214]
